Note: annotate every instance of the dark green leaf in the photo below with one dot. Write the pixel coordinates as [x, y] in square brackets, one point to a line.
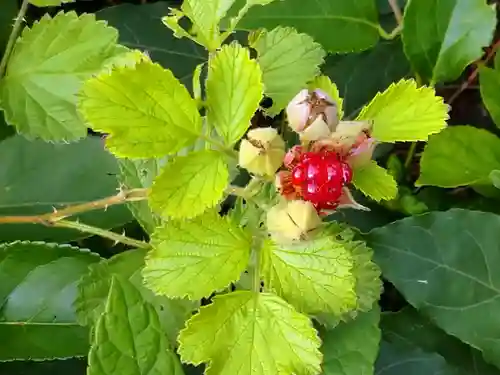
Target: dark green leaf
[360, 76]
[140, 27]
[38, 284]
[447, 265]
[352, 347]
[442, 37]
[355, 22]
[490, 91]
[128, 339]
[411, 330]
[94, 288]
[37, 177]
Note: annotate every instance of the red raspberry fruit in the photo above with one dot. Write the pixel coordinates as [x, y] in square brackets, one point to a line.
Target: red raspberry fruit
[320, 177]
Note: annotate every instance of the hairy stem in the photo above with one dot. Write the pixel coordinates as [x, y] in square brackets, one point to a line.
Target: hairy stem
[56, 217]
[13, 36]
[101, 232]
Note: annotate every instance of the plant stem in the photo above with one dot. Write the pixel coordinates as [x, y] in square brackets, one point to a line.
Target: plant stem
[410, 155]
[13, 36]
[56, 218]
[101, 232]
[396, 10]
[256, 271]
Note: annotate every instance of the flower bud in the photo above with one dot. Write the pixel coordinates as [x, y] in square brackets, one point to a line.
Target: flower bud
[262, 152]
[312, 114]
[292, 220]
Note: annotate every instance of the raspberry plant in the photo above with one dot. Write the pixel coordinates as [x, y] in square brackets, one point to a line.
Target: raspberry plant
[244, 173]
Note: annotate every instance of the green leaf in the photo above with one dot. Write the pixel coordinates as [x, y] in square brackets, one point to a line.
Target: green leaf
[459, 156]
[288, 60]
[205, 17]
[61, 175]
[405, 112]
[411, 333]
[352, 347]
[128, 337]
[442, 38]
[190, 184]
[94, 287]
[49, 3]
[324, 83]
[359, 76]
[315, 276]
[234, 91]
[356, 20]
[490, 89]
[194, 258]
[140, 173]
[140, 26]
[246, 333]
[38, 284]
[459, 249]
[374, 181]
[46, 70]
[146, 110]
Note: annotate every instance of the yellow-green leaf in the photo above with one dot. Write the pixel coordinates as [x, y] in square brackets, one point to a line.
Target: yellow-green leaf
[405, 112]
[324, 83]
[245, 333]
[190, 184]
[234, 91]
[196, 257]
[374, 181]
[49, 3]
[47, 68]
[315, 276]
[145, 109]
[289, 60]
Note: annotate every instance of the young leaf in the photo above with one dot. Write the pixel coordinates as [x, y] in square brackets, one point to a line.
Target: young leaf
[146, 110]
[442, 38]
[38, 286]
[315, 276]
[324, 83]
[358, 21]
[93, 291]
[490, 91]
[194, 258]
[49, 3]
[140, 173]
[457, 248]
[190, 184]
[47, 68]
[288, 61]
[128, 338]
[234, 91]
[374, 181]
[459, 156]
[405, 112]
[60, 174]
[246, 333]
[352, 347]
[359, 76]
[205, 16]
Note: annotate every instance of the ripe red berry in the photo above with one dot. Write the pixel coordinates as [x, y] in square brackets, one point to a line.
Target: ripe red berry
[320, 177]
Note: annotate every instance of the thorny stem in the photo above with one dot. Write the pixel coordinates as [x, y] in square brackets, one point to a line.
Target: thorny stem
[56, 218]
[13, 36]
[101, 232]
[474, 74]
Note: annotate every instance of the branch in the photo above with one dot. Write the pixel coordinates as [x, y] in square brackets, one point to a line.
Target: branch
[56, 218]
[396, 10]
[13, 36]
